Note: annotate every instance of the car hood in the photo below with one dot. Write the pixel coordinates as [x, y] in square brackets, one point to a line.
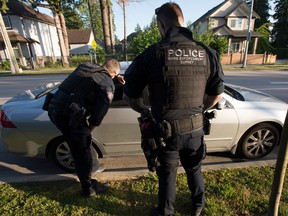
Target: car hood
[254, 95]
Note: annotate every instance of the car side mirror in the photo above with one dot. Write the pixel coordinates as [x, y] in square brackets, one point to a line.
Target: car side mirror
[221, 104]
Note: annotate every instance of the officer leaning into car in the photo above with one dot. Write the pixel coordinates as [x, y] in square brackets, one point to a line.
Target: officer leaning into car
[78, 106]
[184, 78]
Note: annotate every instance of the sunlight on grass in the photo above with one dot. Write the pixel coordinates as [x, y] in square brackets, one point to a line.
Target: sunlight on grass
[228, 192]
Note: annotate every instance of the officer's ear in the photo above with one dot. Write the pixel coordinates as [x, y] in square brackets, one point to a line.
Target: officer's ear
[161, 27]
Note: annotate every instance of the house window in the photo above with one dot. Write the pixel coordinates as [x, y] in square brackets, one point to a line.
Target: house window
[235, 47]
[16, 51]
[7, 22]
[236, 23]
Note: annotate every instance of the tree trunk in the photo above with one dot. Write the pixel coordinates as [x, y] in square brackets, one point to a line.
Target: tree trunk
[13, 62]
[65, 62]
[280, 171]
[112, 40]
[125, 36]
[105, 24]
[64, 32]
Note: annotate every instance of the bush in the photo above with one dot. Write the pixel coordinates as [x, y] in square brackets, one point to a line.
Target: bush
[5, 65]
[50, 64]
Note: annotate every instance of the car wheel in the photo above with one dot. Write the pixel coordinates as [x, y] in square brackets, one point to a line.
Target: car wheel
[259, 141]
[61, 155]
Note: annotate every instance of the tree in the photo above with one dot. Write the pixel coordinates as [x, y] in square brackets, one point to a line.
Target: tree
[264, 44]
[261, 7]
[219, 43]
[105, 24]
[146, 37]
[280, 30]
[72, 18]
[13, 62]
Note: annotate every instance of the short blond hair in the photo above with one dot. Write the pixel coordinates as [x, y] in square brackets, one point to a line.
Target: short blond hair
[112, 66]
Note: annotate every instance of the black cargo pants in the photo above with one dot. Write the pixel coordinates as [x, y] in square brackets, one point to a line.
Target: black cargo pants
[79, 141]
[191, 150]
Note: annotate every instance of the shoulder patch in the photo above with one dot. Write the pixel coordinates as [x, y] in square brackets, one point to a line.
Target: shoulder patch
[110, 96]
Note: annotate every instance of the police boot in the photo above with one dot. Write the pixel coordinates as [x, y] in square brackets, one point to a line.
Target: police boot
[99, 188]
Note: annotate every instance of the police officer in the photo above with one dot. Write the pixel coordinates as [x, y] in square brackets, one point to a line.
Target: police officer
[179, 72]
[78, 106]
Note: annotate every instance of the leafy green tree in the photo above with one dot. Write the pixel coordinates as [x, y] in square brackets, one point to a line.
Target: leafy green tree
[218, 43]
[145, 38]
[261, 7]
[264, 44]
[72, 18]
[280, 29]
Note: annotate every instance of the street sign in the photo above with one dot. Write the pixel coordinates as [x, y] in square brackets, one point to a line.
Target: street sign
[94, 44]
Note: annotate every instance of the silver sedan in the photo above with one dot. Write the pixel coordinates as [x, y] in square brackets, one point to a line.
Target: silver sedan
[247, 122]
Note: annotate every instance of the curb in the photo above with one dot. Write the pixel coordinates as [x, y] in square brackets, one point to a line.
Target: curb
[125, 173]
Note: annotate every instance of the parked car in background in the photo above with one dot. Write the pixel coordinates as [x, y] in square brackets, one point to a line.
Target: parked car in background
[247, 122]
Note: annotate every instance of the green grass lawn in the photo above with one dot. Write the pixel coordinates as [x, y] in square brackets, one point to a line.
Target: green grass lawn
[229, 192]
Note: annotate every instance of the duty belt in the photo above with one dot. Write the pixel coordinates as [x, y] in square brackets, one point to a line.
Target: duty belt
[194, 122]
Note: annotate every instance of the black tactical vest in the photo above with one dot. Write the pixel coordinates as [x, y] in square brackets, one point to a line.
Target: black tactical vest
[185, 73]
[83, 82]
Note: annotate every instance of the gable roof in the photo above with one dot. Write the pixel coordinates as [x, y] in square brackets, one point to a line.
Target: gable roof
[234, 33]
[14, 37]
[242, 5]
[18, 8]
[81, 36]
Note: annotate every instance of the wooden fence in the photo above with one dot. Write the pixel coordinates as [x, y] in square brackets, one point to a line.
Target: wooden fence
[237, 58]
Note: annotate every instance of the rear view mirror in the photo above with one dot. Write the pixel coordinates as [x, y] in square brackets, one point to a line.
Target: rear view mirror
[221, 104]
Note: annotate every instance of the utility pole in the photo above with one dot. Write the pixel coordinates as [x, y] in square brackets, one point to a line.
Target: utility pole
[122, 4]
[248, 35]
[13, 62]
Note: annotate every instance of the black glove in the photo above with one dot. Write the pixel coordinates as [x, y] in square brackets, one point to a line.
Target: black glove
[147, 126]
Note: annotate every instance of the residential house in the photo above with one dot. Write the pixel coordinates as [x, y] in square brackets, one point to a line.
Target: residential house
[33, 35]
[80, 41]
[231, 19]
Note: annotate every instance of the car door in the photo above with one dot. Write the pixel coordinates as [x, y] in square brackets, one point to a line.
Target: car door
[119, 132]
[223, 128]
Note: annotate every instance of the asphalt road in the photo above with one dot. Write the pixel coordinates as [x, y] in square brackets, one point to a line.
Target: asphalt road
[14, 168]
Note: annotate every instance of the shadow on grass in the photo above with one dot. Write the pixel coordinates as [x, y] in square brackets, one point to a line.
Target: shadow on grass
[127, 197]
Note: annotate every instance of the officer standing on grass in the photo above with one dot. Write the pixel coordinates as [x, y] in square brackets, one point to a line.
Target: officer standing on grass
[179, 72]
[80, 105]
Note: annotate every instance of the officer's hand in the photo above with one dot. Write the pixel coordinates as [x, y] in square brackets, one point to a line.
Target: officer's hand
[121, 79]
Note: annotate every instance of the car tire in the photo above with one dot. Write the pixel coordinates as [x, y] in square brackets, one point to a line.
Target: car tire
[259, 141]
[62, 157]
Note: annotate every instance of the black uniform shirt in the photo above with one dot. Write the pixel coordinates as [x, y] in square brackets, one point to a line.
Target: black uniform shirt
[92, 88]
[146, 69]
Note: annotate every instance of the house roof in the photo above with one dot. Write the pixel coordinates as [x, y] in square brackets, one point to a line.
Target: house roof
[22, 10]
[81, 36]
[15, 37]
[236, 34]
[242, 5]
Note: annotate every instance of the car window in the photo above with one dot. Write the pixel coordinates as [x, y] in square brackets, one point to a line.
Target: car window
[44, 89]
[233, 93]
[118, 100]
